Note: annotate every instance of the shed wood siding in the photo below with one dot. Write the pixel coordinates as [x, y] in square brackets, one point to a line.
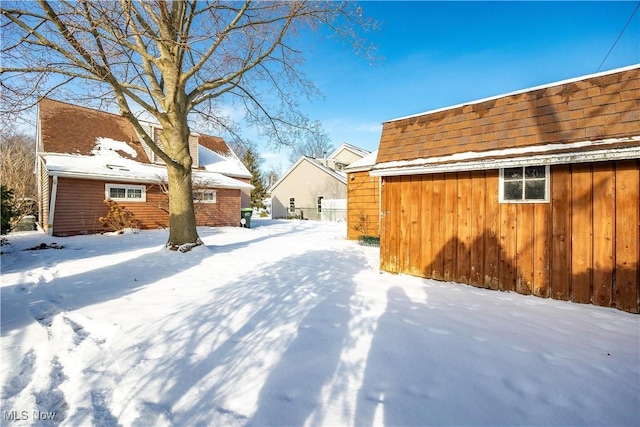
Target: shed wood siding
[79, 204]
[590, 109]
[363, 199]
[583, 246]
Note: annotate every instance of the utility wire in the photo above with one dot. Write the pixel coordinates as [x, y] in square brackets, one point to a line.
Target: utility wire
[619, 35]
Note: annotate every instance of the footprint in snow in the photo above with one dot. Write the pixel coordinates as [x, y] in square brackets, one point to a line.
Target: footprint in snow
[102, 415]
[80, 334]
[52, 400]
[24, 377]
[43, 311]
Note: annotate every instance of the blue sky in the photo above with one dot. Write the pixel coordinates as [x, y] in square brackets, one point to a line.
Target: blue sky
[438, 54]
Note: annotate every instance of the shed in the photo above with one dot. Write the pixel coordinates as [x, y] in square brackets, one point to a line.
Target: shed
[536, 191]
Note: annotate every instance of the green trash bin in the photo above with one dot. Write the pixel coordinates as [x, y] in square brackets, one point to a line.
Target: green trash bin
[245, 217]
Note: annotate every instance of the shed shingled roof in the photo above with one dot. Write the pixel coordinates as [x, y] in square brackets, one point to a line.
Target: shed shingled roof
[594, 108]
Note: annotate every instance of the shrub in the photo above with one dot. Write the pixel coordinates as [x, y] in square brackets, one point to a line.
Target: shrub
[8, 209]
[118, 218]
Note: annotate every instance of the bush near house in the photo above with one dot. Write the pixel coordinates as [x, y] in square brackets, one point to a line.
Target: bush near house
[118, 218]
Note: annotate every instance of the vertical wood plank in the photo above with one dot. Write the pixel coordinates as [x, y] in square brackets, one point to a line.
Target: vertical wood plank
[542, 249]
[427, 208]
[581, 233]
[415, 245]
[463, 255]
[437, 227]
[492, 231]
[524, 248]
[450, 226]
[478, 194]
[561, 231]
[384, 229]
[405, 223]
[603, 233]
[392, 223]
[627, 235]
[508, 241]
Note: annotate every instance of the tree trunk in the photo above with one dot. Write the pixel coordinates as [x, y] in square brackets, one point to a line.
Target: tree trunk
[182, 219]
[183, 234]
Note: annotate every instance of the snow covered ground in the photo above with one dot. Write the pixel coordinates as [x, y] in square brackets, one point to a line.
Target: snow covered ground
[288, 323]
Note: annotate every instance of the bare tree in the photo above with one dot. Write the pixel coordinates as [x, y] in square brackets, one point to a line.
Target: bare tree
[315, 143]
[17, 165]
[171, 59]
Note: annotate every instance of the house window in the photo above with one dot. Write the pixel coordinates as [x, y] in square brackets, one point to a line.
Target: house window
[204, 196]
[126, 193]
[319, 203]
[529, 184]
[292, 204]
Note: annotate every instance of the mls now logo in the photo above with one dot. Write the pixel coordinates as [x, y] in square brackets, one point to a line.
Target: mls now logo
[26, 415]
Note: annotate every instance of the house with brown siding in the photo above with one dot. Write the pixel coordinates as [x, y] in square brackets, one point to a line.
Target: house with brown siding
[86, 156]
[536, 191]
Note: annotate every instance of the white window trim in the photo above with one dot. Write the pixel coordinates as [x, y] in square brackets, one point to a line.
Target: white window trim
[547, 187]
[200, 200]
[289, 205]
[108, 187]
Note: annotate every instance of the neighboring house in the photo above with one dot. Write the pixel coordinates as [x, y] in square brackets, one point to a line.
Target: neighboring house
[537, 191]
[315, 188]
[86, 156]
[363, 198]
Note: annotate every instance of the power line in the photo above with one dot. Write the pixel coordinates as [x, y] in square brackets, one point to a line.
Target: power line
[619, 35]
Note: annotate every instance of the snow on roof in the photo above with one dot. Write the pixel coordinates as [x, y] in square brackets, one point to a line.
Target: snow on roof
[225, 164]
[604, 149]
[107, 164]
[518, 92]
[110, 147]
[366, 162]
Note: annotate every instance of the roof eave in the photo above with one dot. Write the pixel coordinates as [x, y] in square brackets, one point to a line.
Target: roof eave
[489, 164]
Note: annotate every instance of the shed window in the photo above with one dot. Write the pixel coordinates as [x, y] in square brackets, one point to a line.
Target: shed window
[292, 204]
[319, 203]
[126, 193]
[529, 184]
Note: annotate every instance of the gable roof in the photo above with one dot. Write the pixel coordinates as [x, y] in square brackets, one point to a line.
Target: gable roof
[340, 176]
[71, 129]
[222, 161]
[346, 146]
[562, 118]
